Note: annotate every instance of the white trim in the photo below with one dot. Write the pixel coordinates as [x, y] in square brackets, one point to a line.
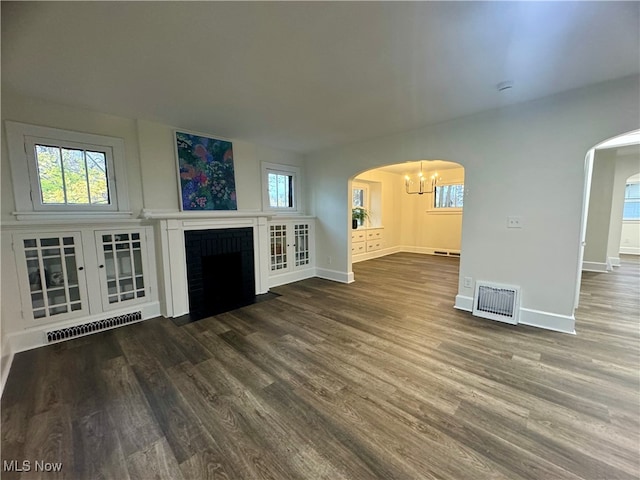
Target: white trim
[594, 267]
[614, 261]
[60, 216]
[429, 250]
[173, 263]
[464, 303]
[282, 169]
[630, 250]
[21, 164]
[35, 337]
[548, 320]
[529, 317]
[295, 276]
[334, 275]
[374, 254]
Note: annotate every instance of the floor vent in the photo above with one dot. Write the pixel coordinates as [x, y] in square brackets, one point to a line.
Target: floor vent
[497, 302]
[90, 327]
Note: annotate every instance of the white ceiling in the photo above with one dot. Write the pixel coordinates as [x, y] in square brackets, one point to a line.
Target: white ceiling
[412, 168]
[305, 76]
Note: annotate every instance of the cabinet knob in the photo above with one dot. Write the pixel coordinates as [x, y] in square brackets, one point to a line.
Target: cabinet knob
[100, 266]
[80, 268]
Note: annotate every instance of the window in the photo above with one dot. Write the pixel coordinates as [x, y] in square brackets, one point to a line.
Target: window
[360, 198]
[449, 196]
[63, 172]
[70, 175]
[281, 190]
[631, 202]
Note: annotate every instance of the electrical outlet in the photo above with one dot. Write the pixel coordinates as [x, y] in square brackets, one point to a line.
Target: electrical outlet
[468, 282]
[514, 222]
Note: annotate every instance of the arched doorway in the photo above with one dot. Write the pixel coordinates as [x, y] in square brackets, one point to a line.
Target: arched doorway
[608, 166]
[414, 207]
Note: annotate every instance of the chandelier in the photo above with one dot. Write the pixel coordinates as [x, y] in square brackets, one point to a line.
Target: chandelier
[420, 181]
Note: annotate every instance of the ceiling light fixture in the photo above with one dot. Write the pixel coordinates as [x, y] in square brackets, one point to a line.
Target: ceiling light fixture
[420, 181]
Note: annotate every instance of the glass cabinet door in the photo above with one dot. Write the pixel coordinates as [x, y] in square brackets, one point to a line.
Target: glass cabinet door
[301, 235]
[278, 244]
[121, 256]
[55, 275]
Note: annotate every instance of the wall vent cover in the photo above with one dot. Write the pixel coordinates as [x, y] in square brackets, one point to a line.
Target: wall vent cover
[90, 327]
[497, 302]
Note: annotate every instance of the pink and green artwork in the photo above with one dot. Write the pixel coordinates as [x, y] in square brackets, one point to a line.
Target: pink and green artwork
[207, 180]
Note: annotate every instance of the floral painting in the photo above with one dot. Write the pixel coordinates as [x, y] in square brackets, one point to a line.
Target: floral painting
[207, 180]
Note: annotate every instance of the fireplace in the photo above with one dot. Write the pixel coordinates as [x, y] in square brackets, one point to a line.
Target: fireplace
[220, 270]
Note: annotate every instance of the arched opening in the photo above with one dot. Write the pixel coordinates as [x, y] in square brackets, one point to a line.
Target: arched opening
[410, 207]
[611, 217]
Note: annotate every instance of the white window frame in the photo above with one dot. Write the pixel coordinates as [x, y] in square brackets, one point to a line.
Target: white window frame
[366, 200]
[445, 210]
[279, 169]
[629, 200]
[22, 137]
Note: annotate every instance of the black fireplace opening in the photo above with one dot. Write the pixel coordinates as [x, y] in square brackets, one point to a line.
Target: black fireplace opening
[220, 270]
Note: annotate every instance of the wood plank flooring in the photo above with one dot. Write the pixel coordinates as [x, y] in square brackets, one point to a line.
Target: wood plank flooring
[380, 379]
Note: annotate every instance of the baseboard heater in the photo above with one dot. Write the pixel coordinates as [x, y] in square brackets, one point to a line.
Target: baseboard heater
[446, 253]
[90, 327]
[497, 302]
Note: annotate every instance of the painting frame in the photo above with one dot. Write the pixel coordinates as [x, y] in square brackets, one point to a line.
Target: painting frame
[205, 172]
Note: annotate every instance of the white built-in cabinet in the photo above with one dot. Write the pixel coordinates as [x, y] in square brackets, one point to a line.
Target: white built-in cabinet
[122, 264]
[365, 241]
[63, 275]
[291, 250]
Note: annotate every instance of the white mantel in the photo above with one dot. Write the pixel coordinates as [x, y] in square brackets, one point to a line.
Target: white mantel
[172, 256]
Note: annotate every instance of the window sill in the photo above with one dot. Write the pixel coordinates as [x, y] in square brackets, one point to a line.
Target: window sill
[445, 211]
[71, 216]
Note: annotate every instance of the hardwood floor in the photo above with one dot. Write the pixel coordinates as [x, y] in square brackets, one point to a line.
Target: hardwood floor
[378, 379]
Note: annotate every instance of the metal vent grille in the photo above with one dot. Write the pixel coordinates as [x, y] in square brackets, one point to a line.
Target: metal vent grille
[90, 327]
[497, 302]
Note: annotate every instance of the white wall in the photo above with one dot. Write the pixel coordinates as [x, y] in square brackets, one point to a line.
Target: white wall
[611, 169]
[40, 112]
[151, 177]
[630, 238]
[599, 217]
[409, 222]
[159, 174]
[388, 213]
[426, 229]
[524, 160]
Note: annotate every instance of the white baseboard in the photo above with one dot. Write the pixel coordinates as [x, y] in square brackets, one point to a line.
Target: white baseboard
[335, 275]
[375, 254]
[614, 261]
[464, 303]
[427, 250]
[527, 316]
[594, 267]
[291, 277]
[548, 320]
[630, 250]
[36, 337]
